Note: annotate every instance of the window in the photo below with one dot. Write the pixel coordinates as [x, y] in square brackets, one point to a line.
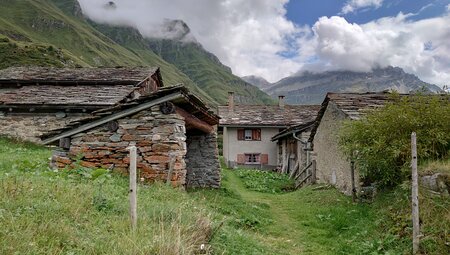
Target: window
[249, 134]
[252, 158]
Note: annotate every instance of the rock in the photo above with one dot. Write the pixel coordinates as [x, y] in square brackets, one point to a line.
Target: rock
[115, 138]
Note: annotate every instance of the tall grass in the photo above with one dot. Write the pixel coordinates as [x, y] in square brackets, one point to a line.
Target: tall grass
[46, 212]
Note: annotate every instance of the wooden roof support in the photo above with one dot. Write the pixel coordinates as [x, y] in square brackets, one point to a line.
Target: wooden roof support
[194, 122]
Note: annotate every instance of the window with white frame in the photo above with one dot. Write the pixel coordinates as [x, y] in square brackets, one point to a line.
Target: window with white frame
[252, 158]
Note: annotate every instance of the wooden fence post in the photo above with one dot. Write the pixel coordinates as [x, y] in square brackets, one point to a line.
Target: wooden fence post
[171, 165]
[313, 172]
[133, 185]
[352, 172]
[415, 195]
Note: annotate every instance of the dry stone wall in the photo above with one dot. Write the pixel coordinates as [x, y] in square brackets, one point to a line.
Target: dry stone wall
[157, 136]
[332, 165]
[30, 126]
[202, 161]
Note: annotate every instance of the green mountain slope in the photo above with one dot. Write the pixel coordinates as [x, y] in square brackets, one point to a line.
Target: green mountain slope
[55, 33]
[201, 66]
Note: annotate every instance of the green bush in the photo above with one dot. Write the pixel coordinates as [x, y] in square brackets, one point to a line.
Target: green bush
[382, 139]
[263, 181]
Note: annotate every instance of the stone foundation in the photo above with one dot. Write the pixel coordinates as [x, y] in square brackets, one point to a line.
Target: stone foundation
[202, 160]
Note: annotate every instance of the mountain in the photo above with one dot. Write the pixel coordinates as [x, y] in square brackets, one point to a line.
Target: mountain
[182, 51]
[55, 33]
[257, 81]
[311, 88]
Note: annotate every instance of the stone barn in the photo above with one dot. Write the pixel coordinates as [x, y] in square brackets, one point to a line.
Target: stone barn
[34, 100]
[332, 166]
[98, 113]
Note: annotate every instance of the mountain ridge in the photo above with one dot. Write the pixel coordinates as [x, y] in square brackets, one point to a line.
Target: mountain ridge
[55, 33]
[311, 88]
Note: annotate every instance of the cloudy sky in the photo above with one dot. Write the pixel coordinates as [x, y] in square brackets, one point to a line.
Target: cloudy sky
[277, 38]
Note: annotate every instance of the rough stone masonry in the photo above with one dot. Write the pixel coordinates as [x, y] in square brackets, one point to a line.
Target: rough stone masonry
[157, 137]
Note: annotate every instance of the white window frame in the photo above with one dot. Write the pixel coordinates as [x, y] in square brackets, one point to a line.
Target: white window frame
[248, 134]
[256, 155]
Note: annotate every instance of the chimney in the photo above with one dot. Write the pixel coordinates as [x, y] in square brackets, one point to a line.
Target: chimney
[281, 101]
[231, 101]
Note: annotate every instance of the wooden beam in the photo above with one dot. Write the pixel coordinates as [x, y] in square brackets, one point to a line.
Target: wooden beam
[194, 122]
[112, 117]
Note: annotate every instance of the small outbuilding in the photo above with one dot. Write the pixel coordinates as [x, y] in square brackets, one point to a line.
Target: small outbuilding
[100, 112]
[332, 166]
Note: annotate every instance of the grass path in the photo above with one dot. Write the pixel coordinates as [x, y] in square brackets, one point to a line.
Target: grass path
[284, 234]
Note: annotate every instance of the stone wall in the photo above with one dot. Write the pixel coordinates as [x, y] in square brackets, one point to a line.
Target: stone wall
[156, 136]
[202, 161]
[30, 126]
[332, 166]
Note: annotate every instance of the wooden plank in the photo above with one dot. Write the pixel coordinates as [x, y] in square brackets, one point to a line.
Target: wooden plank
[194, 122]
[112, 117]
[415, 195]
[171, 164]
[313, 172]
[133, 185]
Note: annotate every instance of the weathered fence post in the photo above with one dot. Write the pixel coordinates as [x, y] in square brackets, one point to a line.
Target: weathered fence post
[171, 165]
[352, 172]
[133, 185]
[415, 195]
[313, 172]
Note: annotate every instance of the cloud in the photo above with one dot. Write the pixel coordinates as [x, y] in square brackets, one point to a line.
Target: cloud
[254, 37]
[354, 5]
[419, 47]
[247, 35]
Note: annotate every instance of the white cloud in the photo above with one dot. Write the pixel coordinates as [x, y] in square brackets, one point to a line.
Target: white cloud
[419, 47]
[354, 5]
[250, 35]
[245, 34]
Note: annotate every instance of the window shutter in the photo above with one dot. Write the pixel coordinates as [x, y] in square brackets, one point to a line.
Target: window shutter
[256, 134]
[241, 159]
[264, 159]
[240, 134]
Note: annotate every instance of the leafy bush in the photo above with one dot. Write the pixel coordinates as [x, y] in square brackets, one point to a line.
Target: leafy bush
[262, 181]
[382, 139]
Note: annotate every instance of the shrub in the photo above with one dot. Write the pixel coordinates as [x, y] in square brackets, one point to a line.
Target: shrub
[382, 138]
[263, 181]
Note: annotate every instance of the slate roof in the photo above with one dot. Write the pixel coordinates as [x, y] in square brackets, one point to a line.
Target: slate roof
[355, 105]
[22, 86]
[187, 101]
[52, 75]
[293, 129]
[267, 115]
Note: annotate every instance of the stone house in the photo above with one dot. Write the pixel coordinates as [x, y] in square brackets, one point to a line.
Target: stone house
[293, 148]
[248, 130]
[105, 113]
[34, 100]
[332, 166]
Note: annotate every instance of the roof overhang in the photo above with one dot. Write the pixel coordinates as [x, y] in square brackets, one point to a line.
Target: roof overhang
[293, 130]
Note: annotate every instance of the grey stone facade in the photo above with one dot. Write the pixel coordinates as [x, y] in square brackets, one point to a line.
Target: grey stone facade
[202, 161]
[332, 166]
[29, 126]
[158, 137]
